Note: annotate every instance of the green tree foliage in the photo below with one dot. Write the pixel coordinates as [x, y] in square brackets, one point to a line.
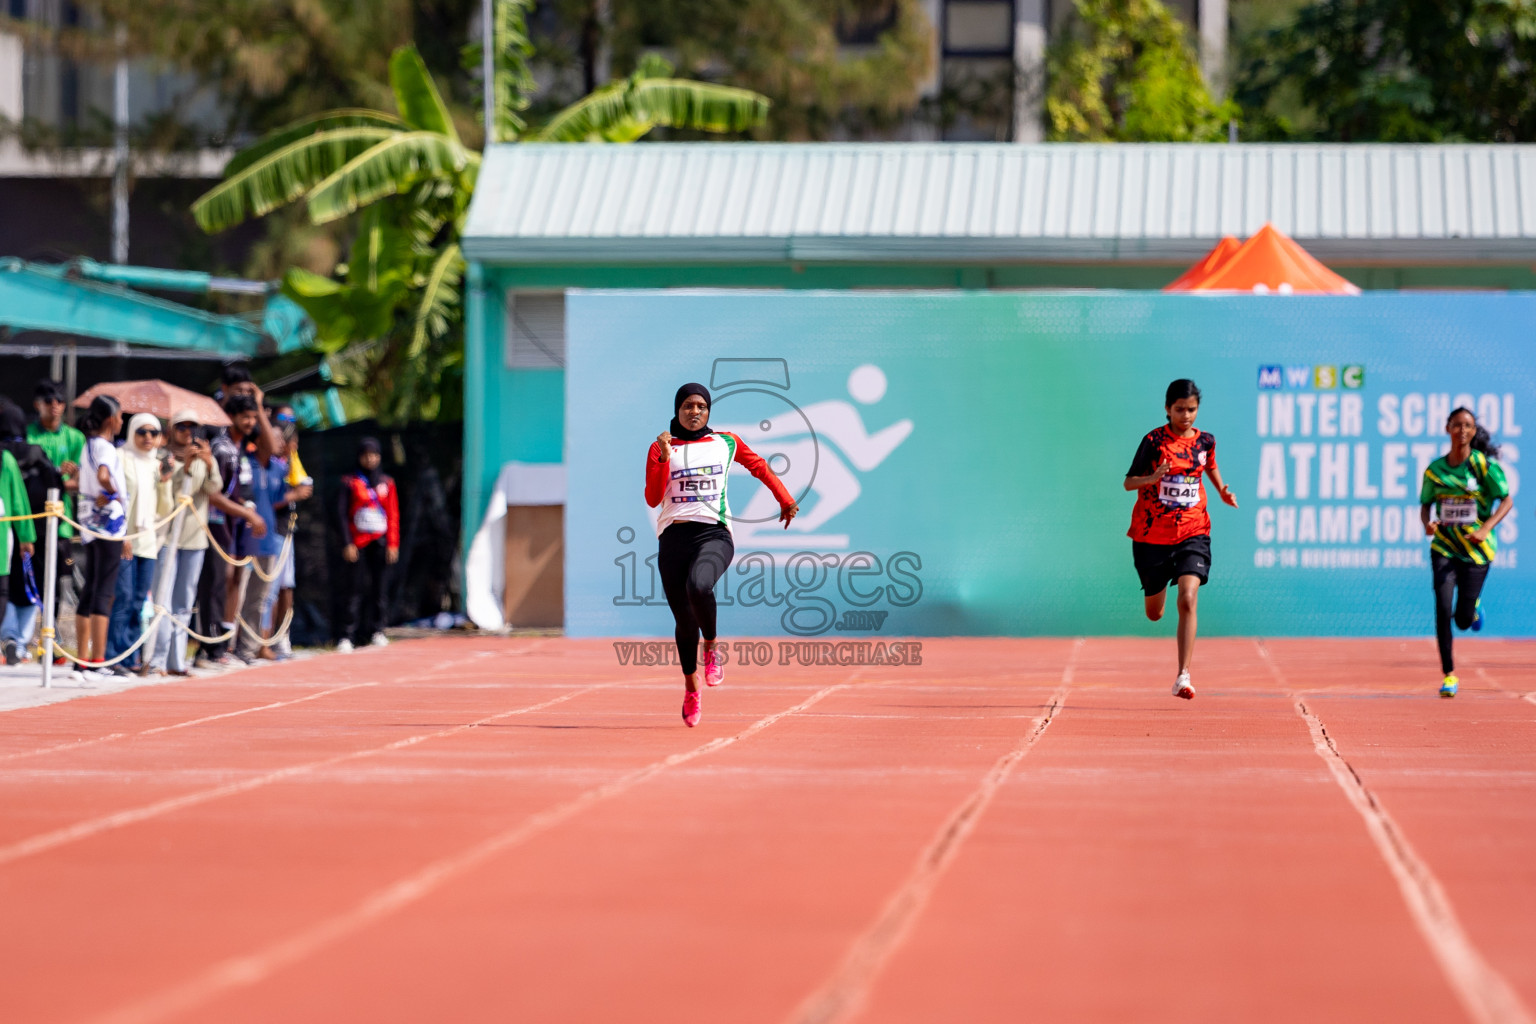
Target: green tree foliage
[829, 67]
[1124, 71]
[1394, 71]
[270, 62]
[390, 319]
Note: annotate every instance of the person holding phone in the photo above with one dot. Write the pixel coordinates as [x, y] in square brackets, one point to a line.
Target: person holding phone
[183, 541]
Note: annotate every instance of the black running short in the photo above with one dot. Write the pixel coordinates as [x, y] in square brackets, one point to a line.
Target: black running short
[1160, 565]
[103, 559]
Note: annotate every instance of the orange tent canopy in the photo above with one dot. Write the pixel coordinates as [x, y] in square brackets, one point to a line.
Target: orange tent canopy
[1208, 264]
[1269, 262]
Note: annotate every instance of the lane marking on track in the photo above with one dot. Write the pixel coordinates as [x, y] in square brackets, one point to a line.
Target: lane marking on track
[71, 745]
[449, 671]
[252, 968]
[95, 826]
[844, 993]
[77, 744]
[247, 711]
[1487, 677]
[1484, 993]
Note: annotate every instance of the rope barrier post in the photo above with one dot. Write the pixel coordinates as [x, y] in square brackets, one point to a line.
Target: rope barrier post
[165, 572]
[50, 583]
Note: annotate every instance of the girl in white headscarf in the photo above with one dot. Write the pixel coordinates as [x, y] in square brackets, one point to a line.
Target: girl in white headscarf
[147, 480]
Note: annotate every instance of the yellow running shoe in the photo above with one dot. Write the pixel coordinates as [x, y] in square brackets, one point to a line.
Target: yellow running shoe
[1448, 688]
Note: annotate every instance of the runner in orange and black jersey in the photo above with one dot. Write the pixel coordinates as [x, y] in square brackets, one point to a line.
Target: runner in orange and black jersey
[1170, 527]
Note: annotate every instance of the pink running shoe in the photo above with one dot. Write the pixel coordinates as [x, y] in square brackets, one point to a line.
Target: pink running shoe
[691, 709]
[713, 675]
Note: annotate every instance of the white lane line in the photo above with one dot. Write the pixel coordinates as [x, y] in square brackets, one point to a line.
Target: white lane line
[844, 993]
[252, 968]
[1484, 993]
[71, 745]
[247, 711]
[95, 826]
[1487, 997]
[1487, 677]
[77, 744]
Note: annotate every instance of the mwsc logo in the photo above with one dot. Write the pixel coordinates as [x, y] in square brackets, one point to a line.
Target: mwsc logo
[1301, 378]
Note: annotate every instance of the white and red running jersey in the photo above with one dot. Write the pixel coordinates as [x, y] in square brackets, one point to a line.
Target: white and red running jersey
[691, 487]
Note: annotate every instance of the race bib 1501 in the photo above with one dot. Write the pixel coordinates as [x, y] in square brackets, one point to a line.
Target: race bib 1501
[1179, 491]
[1458, 511]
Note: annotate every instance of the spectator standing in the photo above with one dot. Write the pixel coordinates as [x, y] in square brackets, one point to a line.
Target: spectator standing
[226, 512]
[38, 475]
[15, 537]
[149, 500]
[184, 543]
[63, 445]
[264, 487]
[101, 512]
[370, 520]
[280, 595]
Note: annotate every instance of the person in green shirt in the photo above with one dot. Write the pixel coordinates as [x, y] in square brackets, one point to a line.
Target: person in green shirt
[1463, 486]
[13, 502]
[60, 441]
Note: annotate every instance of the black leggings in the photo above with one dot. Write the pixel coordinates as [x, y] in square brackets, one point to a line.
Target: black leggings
[693, 557]
[367, 593]
[1462, 580]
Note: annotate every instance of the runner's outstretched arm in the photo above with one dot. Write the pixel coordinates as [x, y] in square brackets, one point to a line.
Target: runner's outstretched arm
[758, 467]
[1221, 487]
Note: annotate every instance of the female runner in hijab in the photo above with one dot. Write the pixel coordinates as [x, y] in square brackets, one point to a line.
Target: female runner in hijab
[685, 475]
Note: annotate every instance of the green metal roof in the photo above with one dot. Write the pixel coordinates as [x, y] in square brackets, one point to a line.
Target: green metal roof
[90, 299]
[669, 203]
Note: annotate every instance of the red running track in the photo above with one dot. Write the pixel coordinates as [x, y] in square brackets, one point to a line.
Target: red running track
[523, 830]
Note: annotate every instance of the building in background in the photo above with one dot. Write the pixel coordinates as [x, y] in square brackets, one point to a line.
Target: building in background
[991, 60]
[57, 158]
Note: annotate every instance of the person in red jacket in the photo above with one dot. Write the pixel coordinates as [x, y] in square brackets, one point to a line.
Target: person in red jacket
[370, 520]
[685, 475]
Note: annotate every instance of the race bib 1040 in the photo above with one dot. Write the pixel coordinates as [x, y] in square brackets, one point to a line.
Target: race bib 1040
[1179, 491]
[1458, 511]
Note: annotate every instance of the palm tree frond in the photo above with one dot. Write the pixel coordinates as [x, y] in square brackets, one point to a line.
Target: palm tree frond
[417, 96]
[626, 110]
[283, 175]
[307, 126]
[679, 103]
[654, 65]
[439, 296]
[392, 166]
[587, 117]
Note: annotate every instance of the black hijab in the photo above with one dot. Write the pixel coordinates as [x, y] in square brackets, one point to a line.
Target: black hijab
[366, 445]
[676, 429]
[38, 474]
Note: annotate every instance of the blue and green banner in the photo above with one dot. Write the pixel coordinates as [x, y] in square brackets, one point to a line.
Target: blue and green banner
[959, 457]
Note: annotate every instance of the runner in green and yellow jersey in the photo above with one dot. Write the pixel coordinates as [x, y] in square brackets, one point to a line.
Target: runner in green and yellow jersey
[1462, 486]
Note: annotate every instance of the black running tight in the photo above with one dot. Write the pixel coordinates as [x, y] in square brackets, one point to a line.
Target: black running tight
[693, 556]
[1458, 583]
